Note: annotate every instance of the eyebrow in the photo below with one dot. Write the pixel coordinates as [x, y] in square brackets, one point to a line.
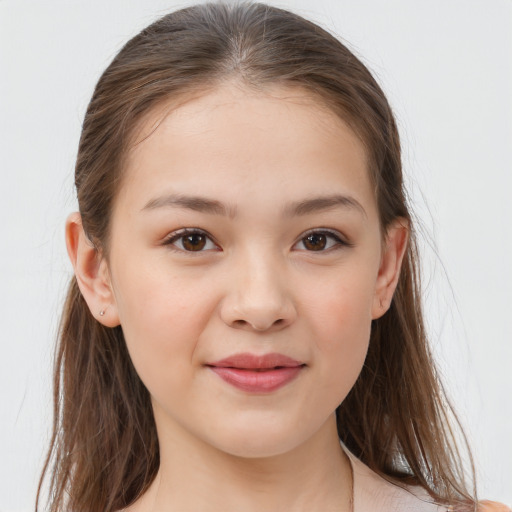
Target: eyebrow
[212, 206]
[196, 203]
[322, 203]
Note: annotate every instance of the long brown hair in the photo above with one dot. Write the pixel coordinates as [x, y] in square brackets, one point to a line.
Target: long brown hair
[104, 450]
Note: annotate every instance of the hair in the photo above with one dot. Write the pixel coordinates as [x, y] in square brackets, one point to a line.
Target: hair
[104, 450]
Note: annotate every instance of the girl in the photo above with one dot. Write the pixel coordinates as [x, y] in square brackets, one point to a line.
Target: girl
[244, 330]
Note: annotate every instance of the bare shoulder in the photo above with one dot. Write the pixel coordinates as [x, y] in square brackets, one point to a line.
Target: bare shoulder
[483, 506]
[493, 506]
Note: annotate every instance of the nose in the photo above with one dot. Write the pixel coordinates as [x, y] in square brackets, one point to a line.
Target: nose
[258, 298]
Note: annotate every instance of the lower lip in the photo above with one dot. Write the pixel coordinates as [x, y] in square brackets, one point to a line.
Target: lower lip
[257, 381]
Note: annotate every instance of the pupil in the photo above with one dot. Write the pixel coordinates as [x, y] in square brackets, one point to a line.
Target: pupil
[315, 242]
[194, 242]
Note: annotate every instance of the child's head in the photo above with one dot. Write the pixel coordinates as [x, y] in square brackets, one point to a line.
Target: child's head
[272, 144]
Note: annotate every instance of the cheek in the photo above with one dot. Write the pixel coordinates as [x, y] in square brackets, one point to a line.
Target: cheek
[341, 324]
[343, 308]
[162, 319]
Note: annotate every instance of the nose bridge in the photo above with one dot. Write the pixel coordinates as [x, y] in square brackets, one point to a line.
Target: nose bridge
[259, 297]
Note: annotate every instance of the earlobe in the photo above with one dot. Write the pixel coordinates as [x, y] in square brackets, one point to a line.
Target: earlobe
[91, 271]
[391, 262]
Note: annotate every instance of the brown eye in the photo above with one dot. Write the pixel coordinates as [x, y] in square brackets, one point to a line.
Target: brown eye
[321, 241]
[191, 240]
[315, 242]
[194, 242]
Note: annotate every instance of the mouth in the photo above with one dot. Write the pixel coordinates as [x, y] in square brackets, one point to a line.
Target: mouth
[257, 374]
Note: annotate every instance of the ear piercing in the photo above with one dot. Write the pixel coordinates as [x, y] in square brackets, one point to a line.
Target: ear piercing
[102, 312]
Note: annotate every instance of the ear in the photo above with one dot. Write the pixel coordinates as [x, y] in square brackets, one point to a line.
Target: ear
[91, 271]
[391, 262]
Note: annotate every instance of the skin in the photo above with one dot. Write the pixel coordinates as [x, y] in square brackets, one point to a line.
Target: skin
[255, 287]
[493, 506]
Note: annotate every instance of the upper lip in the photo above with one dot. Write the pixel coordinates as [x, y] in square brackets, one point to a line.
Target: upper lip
[251, 361]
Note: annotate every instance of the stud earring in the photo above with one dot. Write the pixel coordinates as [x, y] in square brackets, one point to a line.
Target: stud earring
[102, 312]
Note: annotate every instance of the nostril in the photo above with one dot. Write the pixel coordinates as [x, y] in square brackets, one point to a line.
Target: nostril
[239, 323]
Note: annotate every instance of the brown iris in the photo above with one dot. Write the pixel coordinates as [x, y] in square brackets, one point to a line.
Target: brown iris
[194, 242]
[315, 242]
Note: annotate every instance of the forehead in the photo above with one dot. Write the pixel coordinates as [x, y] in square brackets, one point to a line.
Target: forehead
[232, 104]
[279, 139]
[227, 97]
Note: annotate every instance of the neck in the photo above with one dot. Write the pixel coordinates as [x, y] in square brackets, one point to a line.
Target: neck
[194, 476]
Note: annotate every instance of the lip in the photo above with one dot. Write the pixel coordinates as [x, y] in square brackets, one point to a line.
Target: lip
[257, 374]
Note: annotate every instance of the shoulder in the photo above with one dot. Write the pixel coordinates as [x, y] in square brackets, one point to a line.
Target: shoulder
[373, 493]
[493, 506]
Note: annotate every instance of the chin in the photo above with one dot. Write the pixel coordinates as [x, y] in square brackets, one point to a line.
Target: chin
[260, 441]
[257, 448]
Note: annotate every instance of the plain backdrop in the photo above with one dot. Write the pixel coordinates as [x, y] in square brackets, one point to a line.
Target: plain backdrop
[446, 66]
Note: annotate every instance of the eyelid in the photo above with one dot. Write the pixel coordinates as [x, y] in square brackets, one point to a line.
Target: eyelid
[341, 239]
[179, 233]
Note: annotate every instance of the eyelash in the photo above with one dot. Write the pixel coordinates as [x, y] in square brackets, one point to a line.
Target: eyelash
[339, 241]
[181, 234]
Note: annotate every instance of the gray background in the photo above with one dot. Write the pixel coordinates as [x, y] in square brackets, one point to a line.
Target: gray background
[446, 66]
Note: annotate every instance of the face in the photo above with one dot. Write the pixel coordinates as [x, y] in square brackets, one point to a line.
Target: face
[245, 264]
